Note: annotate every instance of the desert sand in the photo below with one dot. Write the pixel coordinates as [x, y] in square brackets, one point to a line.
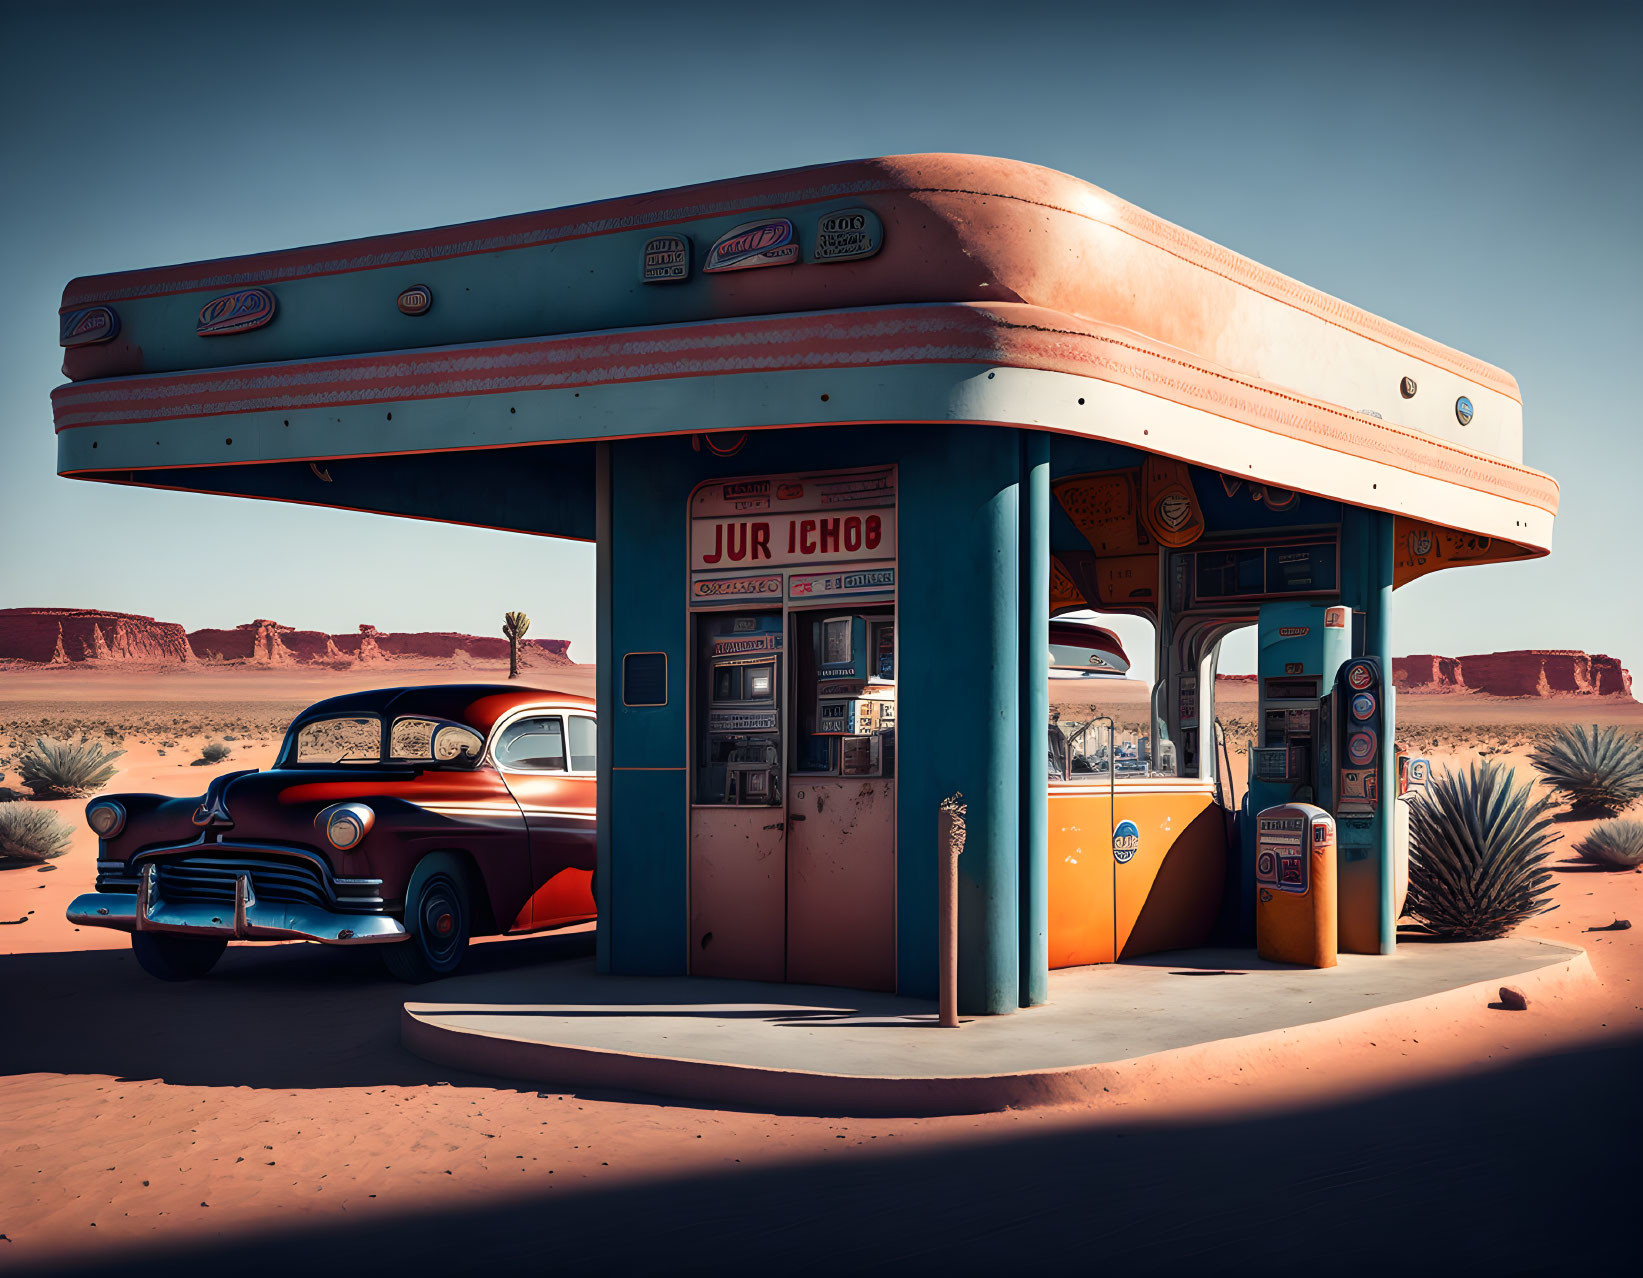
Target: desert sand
[267, 1116]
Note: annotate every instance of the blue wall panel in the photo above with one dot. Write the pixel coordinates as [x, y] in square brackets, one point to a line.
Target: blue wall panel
[649, 873]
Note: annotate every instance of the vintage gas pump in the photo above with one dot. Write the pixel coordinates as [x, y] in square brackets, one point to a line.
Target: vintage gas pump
[1360, 716]
[1302, 646]
[739, 759]
[1296, 905]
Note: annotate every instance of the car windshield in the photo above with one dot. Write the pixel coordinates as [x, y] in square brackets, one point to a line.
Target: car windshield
[343, 738]
[413, 740]
[433, 743]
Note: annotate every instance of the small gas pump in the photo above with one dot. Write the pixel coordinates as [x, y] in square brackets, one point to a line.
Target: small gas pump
[1296, 904]
[856, 692]
[740, 752]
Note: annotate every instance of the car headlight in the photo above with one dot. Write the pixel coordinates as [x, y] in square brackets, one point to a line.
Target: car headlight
[345, 824]
[106, 817]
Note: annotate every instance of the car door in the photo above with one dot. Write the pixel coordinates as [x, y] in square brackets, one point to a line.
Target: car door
[547, 758]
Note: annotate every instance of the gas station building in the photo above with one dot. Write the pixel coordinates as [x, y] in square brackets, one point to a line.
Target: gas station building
[846, 438]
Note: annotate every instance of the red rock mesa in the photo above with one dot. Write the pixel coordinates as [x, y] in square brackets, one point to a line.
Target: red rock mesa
[67, 636]
[64, 635]
[1532, 672]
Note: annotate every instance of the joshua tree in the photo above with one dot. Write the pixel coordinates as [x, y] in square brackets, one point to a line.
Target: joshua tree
[514, 626]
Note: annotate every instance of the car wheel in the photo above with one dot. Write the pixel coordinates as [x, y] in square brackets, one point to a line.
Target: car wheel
[438, 920]
[172, 957]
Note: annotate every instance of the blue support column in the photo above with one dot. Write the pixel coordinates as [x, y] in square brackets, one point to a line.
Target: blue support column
[604, 695]
[1378, 641]
[958, 707]
[1035, 714]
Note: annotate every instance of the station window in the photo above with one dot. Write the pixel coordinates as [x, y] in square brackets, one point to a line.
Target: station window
[644, 679]
[738, 709]
[1101, 701]
[844, 692]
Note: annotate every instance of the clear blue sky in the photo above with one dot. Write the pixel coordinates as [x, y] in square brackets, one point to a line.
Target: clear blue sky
[1474, 174]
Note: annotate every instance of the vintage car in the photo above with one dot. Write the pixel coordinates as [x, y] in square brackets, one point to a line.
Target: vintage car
[409, 818]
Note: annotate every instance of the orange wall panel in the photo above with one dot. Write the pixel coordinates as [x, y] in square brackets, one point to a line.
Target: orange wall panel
[1168, 894]
[1081, 878]
[1166, 897]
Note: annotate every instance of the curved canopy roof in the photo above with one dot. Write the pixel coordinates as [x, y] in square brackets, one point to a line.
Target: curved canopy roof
[982, 290]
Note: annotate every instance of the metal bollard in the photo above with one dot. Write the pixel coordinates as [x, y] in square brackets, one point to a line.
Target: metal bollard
[950, 840]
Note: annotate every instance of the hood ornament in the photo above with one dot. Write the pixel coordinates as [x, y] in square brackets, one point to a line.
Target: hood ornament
[213, 809]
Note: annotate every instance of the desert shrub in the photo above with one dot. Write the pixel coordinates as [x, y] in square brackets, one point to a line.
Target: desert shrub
[30, 835]
[215, 751]
[1616, 844]
[1477, 841]
[55, 769]
[1595, 769]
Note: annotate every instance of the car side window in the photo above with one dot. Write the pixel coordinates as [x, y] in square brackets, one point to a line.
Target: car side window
[584, 747]
[534, 744]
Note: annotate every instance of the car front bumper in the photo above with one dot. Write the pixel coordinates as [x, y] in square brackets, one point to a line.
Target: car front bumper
[247, 920]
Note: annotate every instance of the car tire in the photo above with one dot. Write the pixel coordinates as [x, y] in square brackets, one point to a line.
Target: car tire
[173, 957]
[438, 923]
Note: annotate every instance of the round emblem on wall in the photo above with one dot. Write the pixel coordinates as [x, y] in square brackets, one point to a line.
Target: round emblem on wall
[1360, 677]
[1463, 411]
[1407, 388]
[1360, 748]
[1363, 706]
[1174, 510]
[416, 300]
[1126, 842]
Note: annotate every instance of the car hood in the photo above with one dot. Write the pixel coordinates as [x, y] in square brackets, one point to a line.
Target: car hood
[279, 805]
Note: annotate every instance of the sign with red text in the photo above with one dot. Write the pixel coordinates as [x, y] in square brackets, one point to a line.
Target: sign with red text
[836, 531]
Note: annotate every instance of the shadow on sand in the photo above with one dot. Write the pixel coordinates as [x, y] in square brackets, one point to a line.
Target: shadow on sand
[1443, 1178]
[285, 1016]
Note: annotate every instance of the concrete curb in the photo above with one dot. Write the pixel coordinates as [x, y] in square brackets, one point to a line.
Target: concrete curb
[570, 1067]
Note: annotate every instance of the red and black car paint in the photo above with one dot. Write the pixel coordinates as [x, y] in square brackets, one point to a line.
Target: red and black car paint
[412, 854]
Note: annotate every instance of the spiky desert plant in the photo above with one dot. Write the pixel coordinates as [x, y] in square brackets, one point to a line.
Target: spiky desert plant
[215, 751]
[1476, 847]
[55, 769]
[1615, 844]
[1597, 770]
[514, 626]
[31, 836]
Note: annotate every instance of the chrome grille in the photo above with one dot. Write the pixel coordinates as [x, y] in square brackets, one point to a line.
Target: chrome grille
[290, 880]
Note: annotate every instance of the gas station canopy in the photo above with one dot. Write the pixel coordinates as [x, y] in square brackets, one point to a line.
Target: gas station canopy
[930, 288]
